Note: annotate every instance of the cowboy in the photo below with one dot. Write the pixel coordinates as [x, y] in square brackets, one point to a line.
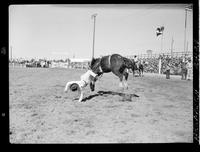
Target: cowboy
[86, 78]
[189, 69]
[136, 61]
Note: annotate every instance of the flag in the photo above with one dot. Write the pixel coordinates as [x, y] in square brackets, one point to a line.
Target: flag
[159, 30]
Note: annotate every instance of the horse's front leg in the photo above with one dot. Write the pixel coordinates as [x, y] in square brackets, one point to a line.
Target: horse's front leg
[133, 72]
[139, 72]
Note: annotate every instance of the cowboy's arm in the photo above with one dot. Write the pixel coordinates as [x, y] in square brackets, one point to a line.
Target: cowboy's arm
[67, 86]
[81, 96]
[93, 74]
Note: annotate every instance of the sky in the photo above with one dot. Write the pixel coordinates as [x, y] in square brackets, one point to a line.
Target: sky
[66, 31]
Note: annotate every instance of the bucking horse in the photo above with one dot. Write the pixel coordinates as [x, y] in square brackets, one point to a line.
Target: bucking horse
[114, 63]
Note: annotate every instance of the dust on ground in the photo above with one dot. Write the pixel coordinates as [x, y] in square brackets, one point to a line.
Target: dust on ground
[152, 110]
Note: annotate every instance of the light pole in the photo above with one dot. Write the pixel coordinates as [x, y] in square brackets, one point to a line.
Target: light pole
[11, 53]
[185, 29]
[187, 8]
[93, 16]
[162, 43]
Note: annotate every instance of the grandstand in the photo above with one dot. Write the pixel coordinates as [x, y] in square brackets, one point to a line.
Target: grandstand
[152, 61]
[79, 63]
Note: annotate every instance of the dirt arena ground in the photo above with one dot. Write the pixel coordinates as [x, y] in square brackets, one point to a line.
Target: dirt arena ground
[155, 109]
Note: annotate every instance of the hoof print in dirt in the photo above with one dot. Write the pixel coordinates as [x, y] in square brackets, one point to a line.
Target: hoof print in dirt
[75, 99]
[35, 114]
[57, 96]
[126, 97]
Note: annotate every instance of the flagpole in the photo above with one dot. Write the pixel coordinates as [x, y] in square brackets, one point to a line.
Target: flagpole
[160, 31]
[162, 41]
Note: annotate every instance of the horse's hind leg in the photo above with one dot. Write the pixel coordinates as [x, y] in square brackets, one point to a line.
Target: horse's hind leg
[126, 78]
[142, 71]
[121, 81]
[120, 75]
[133, 70]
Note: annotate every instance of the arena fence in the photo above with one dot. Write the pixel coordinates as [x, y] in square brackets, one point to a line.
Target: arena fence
[156, 63]
[157, 55]
[153, 62]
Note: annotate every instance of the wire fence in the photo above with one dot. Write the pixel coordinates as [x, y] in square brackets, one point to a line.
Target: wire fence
[157, 55]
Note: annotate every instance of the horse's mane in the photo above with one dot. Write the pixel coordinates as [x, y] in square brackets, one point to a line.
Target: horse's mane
[93, 61]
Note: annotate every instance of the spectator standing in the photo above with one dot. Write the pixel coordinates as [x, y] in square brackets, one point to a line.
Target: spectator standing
[183, 71]
[189, 69]
[167, 71]
[159, 65]
[136, 61]
[136, 58]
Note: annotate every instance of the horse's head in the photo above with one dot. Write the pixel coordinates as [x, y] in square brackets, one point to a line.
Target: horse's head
[92, 83]
[95, 66]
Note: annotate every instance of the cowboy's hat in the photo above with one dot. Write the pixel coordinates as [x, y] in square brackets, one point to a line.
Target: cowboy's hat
[74, 87]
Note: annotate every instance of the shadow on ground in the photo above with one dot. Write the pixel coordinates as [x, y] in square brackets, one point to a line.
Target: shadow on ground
[125, 96]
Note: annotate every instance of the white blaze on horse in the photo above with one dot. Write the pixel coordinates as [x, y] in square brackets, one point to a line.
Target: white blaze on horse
[86, 78]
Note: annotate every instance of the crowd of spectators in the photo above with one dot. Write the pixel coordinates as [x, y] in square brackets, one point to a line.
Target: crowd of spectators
[20, 62]
[29, 62]
[151, 64]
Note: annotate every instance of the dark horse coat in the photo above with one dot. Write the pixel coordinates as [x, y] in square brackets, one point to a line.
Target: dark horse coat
[114, 63]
